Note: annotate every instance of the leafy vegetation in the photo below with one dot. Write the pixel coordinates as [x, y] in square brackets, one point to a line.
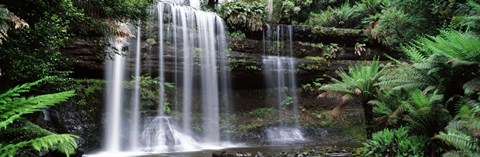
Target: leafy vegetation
[395, 142]
[345, 16]
[243, 16]
[462, 132]
[358, 83]
[34, 51]
[414, 101]
[150, 91]
[13, 106]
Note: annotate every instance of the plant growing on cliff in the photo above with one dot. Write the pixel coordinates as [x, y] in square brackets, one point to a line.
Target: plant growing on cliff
[13, 106]
[345, 16]
[149, 92]
[243, 16]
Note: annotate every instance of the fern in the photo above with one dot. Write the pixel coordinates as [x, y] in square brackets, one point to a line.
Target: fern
[16, 107]
[394, 142]
[407, 77]
[462, 132]
[64, 143]
[358, 77]
[460, 141]
[13, 106]
[469, 21]
[453, 44]
[16, 91]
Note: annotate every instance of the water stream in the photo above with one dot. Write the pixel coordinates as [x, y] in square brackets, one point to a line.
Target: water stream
[279, 70]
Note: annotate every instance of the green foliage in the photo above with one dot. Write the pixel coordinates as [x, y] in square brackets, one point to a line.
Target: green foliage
[345, 16]
[371, 7]
[450, 43]
[34, 52]
[13, 105]
[390, 28]
[261, 112]
[64, 143]
[358, 82]
[314, 86]
[291, 10]
[288, 101]
[243, 16]
[387, 21]
[394, 142]
[150, 92]
[471, 20]
[462, 132]
[440, 60]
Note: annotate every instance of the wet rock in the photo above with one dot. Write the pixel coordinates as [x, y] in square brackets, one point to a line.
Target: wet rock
[222, 154]
[337, 154]
[259, 154]
[304, 154]
[242, 154]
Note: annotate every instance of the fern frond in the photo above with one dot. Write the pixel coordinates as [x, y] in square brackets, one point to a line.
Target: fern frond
[413, 53]
[359, 77]
[450, 43]
[459, 141]
[16, 107]
[16, 91]
[64, 143]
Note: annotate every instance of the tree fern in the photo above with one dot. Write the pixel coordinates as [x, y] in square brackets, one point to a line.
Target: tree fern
[358, 77]
[359, 83]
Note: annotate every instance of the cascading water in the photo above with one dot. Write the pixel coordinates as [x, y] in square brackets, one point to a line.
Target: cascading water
[114, 75]
[192, 43]
[280, 68]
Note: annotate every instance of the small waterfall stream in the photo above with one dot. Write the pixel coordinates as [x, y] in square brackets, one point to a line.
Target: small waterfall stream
[280, 69]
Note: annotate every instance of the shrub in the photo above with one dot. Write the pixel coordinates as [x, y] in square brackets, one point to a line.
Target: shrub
[394, 142]
[243, 16]
[343, 17]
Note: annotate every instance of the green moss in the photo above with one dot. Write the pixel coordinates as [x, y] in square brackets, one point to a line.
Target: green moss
[315, 58]
[261, 112]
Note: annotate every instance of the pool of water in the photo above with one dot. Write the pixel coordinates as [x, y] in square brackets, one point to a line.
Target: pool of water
[271, 150]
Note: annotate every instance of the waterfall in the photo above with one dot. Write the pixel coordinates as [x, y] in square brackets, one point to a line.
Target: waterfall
[135, 115]
[280, 68]
[114, 76]
[192, 54]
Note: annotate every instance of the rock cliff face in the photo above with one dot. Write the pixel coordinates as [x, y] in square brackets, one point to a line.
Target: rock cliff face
[246, 53]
